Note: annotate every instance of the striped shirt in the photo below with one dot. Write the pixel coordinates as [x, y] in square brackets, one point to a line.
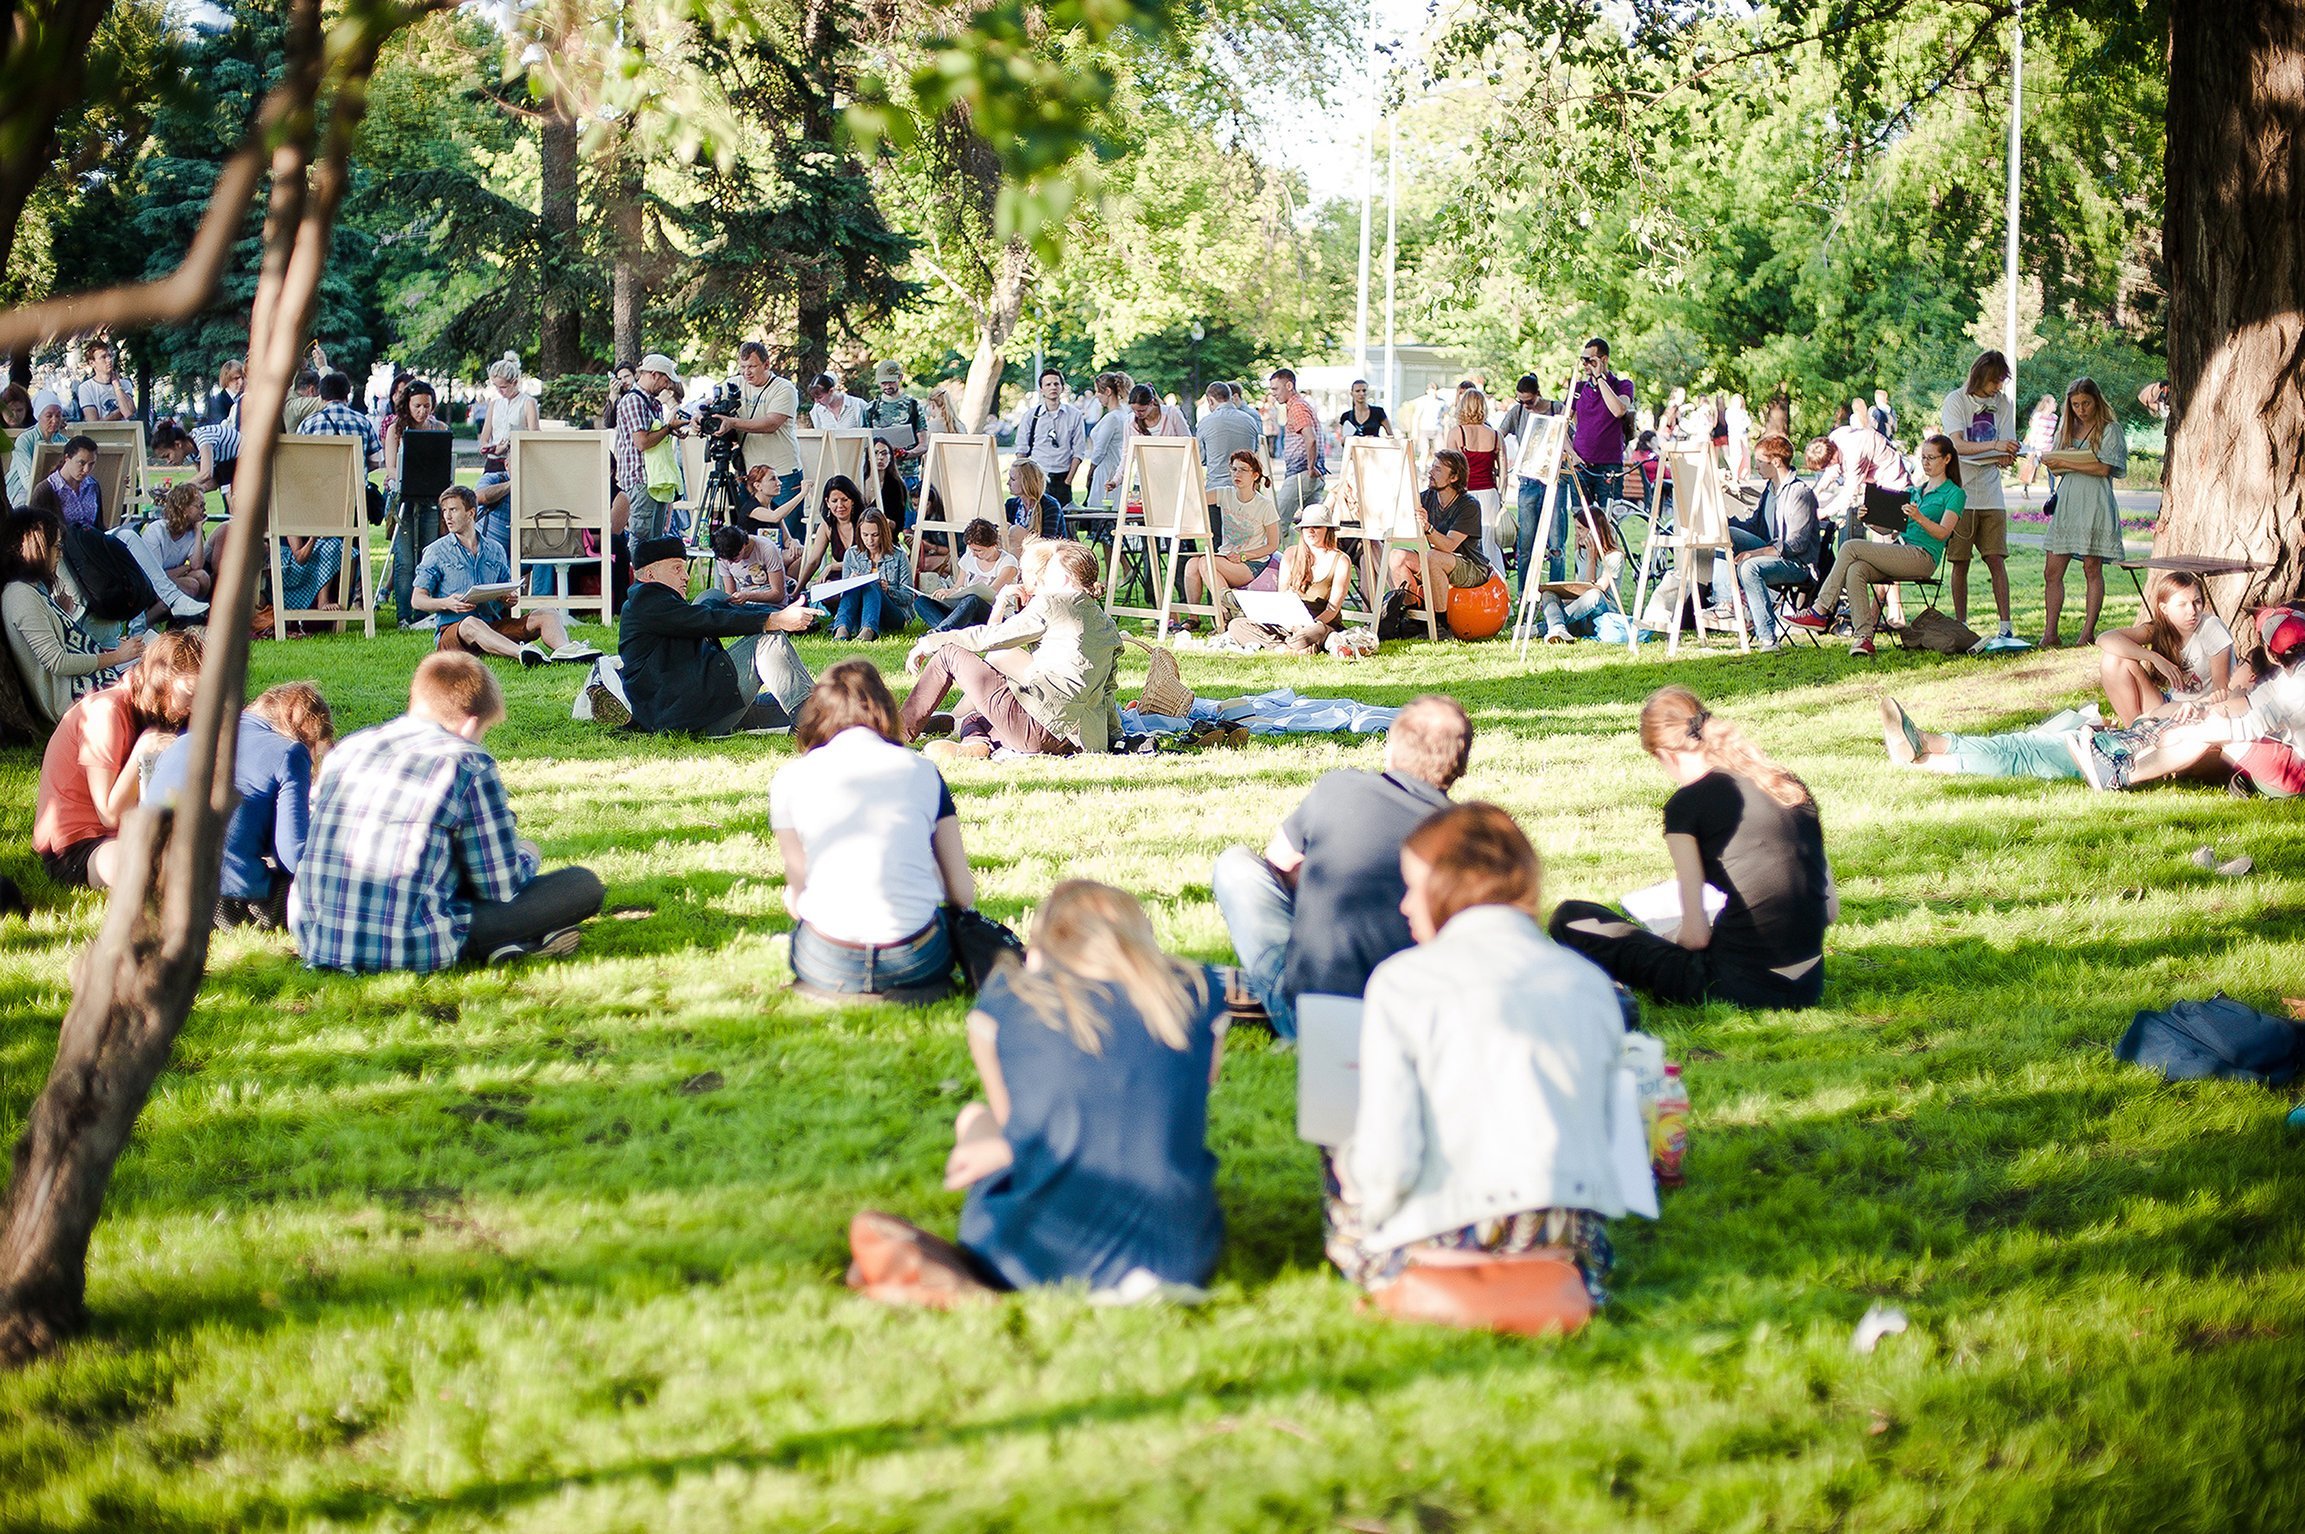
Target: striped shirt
[410, 829]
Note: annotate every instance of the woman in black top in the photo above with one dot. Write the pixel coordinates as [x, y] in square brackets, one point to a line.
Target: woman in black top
[1745, 826]
[1362, 419]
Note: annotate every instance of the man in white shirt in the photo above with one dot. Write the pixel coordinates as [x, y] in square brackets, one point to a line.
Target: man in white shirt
[1981, 419]
[1052, 434]
[99, 393]
[835, 409]
[766, 407]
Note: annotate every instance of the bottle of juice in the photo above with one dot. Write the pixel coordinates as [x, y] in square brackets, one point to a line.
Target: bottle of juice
[1669, 1130]
[1644, 1055]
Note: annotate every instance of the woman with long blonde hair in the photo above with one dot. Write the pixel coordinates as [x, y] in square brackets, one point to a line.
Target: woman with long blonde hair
[1484, 453]
[1088, 1158]
[2181, 652]
[1741, 831]
[2088, 455]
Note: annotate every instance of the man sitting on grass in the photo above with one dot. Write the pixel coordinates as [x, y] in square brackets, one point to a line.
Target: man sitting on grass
[1322, 907]
[412, 861]
[677, 678]
[461, 559]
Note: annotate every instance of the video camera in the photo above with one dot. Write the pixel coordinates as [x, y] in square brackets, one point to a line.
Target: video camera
[725, 402]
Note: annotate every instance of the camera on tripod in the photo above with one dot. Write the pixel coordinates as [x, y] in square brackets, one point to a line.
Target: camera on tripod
[725, 402]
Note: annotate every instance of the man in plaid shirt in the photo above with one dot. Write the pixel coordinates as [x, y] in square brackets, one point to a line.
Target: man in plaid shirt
[412, 861]
[640, 425]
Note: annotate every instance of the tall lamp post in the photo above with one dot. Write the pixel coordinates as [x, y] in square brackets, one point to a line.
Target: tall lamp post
[1193, 401]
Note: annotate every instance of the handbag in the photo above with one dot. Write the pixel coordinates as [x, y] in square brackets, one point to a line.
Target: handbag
[1525, 1294]
[979, 943]
[553, 534]
[1165, 692]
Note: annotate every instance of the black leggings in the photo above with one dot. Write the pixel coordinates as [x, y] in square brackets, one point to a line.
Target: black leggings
[1663, 969]
[547, 903]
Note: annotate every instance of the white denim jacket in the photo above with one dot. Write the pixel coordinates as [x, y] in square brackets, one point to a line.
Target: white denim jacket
[1487, 1058]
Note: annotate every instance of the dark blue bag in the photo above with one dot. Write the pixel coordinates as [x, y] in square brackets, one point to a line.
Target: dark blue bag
[2218, 1038]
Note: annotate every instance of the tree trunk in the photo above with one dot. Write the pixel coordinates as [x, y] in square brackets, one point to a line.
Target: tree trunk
[562, 347]
[2234, 233]
[134, 987]
[43, 52]
[1002, 309]
[628, 288]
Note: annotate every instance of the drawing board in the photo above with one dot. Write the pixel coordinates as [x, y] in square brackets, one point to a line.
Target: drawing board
[1164, 506]
[112, 475]
[319, 491]
[1383, 476]
[959, 482]
[560, 486]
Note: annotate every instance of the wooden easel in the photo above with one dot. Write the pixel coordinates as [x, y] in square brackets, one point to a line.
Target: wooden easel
[824, 454]
[964, 471]
[1163, 475]
[1543, 454]
[1384, 479]
[317, 492]
[561, 471]
[128, 436]
[1700, 531]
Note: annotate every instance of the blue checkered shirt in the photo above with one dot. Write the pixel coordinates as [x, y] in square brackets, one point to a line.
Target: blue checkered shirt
[338, 419]
[409, 828]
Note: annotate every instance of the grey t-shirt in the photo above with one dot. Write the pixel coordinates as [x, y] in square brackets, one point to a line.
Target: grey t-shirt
[1348, 913]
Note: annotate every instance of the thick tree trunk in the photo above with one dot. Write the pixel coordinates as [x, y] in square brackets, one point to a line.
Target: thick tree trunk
[1003, 308]
[628, 286]
[134, 987]
[2234, 233]
[562, 345]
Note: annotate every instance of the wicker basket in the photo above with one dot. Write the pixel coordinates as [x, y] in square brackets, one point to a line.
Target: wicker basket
[1165, 692]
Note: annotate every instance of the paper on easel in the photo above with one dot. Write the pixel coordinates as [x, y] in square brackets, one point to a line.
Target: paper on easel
[1658, 907]
[824, 591]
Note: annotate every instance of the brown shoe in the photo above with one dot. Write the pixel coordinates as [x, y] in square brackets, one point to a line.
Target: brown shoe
[898, 1263]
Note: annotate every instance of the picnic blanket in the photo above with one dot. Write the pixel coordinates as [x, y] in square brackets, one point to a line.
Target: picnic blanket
[1279, 712]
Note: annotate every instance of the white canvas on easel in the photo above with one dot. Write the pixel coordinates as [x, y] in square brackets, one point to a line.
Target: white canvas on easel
[1543, 458]
[1384, 480]
[317, 492]
[824, 454]
[556, 472]
[1700, 531]
[963, 472]
[1163, 476]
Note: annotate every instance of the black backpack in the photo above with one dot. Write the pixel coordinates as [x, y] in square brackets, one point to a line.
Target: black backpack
[110, 580]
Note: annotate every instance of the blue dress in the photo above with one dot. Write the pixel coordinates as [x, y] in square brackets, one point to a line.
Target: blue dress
[1112, 1168]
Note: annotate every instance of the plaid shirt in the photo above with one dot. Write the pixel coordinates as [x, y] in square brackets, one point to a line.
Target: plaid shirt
[409, 829]
[338, 419]
[635, 413]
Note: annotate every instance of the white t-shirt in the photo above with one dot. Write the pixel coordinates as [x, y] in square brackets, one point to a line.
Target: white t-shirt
[975, 572]
[2276, 708]
[98, 400]
[864, 811]
[778, 450]
[1967, 418]
[848, 415]
[753, 574]
[2209, 638]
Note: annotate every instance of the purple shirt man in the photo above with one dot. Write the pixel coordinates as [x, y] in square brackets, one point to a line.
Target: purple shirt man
[1600, 407]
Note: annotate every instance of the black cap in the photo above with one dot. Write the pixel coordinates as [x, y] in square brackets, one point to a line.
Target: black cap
[653, 549]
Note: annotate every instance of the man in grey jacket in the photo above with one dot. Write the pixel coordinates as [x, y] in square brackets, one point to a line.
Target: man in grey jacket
[1788, 509]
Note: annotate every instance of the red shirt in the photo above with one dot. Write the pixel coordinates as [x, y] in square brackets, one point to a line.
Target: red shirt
[98, 731]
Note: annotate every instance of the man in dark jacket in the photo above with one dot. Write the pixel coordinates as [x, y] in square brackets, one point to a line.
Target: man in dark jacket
[1787, 516]
[676, 675]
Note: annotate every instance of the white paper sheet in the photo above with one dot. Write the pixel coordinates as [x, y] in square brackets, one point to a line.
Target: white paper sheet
[1658, 907]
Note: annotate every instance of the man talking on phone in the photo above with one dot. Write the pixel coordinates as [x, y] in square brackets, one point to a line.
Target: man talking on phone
[1600, 409]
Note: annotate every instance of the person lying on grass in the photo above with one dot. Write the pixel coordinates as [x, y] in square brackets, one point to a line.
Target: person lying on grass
[1487, 1057]
[871, 846]
[413, 860]
[2182, 652]
[1057, 701]
[460, 559]
[2253, 736]
[1322, 907]
[1744, 825]
[1088, 1157]
[92, 772]
[282, 736]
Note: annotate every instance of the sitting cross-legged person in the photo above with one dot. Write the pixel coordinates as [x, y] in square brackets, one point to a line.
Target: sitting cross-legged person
[982, 571]
[871, 846]
[677, 678]
[282, 737]
[92, 772]
[1056, 700]
[1088, 1159]
[456, 562]
[413, 861]
[887, 602]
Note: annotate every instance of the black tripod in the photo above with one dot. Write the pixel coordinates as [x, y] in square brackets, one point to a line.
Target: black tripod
[718, 503]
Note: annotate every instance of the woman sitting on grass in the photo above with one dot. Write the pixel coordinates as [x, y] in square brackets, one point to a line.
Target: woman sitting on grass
[92, 773]
[283, 736]
[1860, 565]
[984, 570]
[887, 602]
[2182, 652]
[1600, 562]
[57, 660]
[1748, 828]
[1314, 571]
[1249, 534]
[748, 567]
[1487, 1056]
[1088, 1158]
[871, 846]
[835, 535]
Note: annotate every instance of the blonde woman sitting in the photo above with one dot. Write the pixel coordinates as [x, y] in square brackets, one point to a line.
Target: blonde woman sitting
[1314, 571]
[1088, 1158]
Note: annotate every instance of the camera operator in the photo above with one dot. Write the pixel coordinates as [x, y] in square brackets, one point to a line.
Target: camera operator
[1600, 409]
[766, 404]
[640, 425]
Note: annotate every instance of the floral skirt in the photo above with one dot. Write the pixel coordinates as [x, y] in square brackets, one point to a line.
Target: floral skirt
[1580, 1232]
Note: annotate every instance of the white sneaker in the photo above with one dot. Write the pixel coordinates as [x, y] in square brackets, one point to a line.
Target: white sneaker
[575, 649]
[533, 655]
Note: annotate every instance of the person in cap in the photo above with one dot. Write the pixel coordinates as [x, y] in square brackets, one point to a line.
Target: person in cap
[47, 427]
[677, 677]
[891, 408]
[2254, 735]
[1317, 573]
[640, 425]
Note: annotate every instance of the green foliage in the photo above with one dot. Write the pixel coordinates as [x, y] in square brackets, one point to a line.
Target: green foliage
[495, 1249]
[578, 398]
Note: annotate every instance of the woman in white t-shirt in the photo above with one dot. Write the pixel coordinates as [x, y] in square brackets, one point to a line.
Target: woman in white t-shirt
[1248, 535]
[871, 847]
[982, 572]
[2181, 653]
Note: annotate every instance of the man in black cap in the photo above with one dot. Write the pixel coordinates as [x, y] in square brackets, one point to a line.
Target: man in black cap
[676, 675]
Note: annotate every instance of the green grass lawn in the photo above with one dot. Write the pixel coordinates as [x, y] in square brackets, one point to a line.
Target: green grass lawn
[559, 1248]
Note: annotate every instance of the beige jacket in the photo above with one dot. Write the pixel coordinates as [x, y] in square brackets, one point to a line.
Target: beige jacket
[1075, 665]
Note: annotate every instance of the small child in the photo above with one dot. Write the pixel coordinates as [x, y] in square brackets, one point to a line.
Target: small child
[863, 611]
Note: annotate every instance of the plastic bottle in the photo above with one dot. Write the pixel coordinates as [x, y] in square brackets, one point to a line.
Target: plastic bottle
[1644, 1055]
[1669, 1130]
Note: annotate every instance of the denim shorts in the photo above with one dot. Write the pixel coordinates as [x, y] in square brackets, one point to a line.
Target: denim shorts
[824, 964]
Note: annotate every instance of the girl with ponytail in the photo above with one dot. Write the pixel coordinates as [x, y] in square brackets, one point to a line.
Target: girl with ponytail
[1744, 826]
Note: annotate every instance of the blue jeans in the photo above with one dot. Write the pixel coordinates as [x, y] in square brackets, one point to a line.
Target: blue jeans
[1258, 911]
[860, 608]
[1532, 507]
[824, 965]
[1602, 483]
[1756, 576]
[943, 617]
